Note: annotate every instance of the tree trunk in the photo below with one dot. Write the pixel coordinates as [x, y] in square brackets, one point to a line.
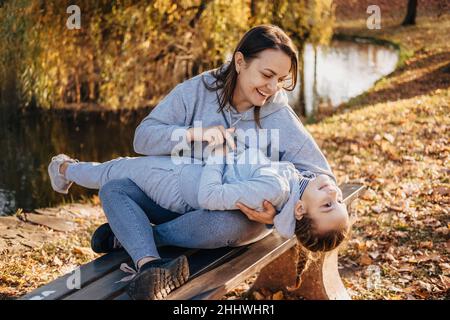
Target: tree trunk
[198, 14]
[410, 18]
[315, 95]
[253, 8]
[301, 98]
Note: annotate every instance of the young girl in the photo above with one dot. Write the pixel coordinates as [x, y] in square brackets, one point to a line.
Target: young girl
[220, 183]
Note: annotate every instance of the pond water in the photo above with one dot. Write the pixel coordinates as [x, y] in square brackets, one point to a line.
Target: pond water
[332, 76]
[341, 71]
[28, 143]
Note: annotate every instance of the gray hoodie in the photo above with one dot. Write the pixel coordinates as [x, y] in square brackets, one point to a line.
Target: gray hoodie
[249, 181]
[191, 101]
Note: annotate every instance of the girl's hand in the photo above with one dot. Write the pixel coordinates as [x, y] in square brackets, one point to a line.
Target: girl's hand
[265, 216]
[215, 136]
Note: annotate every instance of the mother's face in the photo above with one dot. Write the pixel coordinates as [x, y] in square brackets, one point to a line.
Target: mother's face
[262, 77]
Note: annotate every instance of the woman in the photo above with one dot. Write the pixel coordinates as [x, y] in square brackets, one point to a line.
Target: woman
[247, 93]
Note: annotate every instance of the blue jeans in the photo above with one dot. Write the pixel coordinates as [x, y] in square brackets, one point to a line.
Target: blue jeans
[131, 213]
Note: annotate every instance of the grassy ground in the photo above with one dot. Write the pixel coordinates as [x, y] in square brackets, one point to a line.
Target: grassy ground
[394, 139]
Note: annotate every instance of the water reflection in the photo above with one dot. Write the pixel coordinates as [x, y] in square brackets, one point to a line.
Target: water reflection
[28, 143]
[341, 71]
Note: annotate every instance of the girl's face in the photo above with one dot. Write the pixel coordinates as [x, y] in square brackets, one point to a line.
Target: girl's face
[322, 200]
[261, 78]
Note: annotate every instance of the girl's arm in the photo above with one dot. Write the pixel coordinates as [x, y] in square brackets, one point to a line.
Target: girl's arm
[215, 195]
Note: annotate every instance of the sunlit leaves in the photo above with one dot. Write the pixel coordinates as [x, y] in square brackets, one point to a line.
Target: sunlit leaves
[128, 54]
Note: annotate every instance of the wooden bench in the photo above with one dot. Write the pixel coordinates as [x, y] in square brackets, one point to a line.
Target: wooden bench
[213, 272]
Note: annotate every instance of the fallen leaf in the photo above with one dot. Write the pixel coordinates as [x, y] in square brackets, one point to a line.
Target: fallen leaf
[442, 190]
[365, 260]
[445, 268]
[442, 230]
[399, 206]
[390, 257]
[377, 208]
[82, 251]
[57, 261]
[389, 137]
[374, 254]
[406, 268]
[445, 281]
[369, 194]
[424, 285]
[258, 296]
[278, 296]
[426, 244]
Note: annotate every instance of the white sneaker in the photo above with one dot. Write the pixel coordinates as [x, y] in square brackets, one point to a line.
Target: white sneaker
[59, 182]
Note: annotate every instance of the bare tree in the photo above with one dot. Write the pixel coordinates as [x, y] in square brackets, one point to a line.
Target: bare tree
[410, 18]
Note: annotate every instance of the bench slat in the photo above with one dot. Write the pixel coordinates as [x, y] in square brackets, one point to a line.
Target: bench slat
[217, 282]
[89, 272]
[351, 191]
[108, 286]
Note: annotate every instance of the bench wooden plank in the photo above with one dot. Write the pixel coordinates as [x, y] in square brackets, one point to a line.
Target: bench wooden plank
[351, 191]
[215, 283]
[122, 296]
[109, 287]
[89, 272]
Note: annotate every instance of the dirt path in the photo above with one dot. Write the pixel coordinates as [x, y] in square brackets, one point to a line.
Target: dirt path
[37, 247]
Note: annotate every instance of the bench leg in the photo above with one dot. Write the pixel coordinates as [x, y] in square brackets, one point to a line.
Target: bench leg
[320, 280]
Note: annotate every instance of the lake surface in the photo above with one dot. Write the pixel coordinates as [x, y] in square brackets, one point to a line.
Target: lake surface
[332, 75]
[344, 70]
[28, 143]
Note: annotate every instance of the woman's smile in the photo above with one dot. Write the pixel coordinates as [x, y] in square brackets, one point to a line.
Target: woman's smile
[262, 94]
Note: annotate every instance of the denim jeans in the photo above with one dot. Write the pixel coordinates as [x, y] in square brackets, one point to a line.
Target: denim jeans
[141, 225]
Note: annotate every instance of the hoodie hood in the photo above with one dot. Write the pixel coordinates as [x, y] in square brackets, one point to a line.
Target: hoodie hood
[276, 102]
[284, 221]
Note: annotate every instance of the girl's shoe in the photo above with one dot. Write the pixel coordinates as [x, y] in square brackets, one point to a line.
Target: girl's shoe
[59, 182]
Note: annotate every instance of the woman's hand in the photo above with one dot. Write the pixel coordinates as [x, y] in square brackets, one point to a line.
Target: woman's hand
[266, 216]
[215, 136]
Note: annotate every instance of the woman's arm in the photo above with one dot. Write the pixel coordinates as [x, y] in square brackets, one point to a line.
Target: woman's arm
[215, 195]
[298, 145]
[168, 128]
[153, 136]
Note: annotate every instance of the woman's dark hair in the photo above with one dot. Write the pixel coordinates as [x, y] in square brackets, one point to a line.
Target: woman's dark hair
[254, 41]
